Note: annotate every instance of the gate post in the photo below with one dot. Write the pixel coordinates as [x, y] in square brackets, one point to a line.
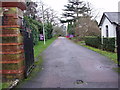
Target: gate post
[118, 44]
[12, 52]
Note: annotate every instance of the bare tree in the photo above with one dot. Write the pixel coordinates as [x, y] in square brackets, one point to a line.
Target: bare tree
[87, 27]
[50, 16]
[31, 10]
[58, 31]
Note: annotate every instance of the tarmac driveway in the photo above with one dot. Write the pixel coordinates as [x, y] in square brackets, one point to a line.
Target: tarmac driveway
[67, 65]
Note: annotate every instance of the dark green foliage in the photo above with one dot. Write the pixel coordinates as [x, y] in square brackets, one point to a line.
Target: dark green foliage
[35, 33]
[48, 30]
[76, 7]
[36, 28]
[93, 41]
[108, 43]
[71, 29]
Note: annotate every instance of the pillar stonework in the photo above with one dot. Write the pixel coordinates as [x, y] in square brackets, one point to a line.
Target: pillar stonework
[12, 51]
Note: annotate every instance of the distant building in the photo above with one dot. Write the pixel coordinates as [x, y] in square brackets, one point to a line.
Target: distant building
[108, 24]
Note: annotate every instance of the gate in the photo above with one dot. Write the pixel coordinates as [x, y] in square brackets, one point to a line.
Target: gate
[28, 49]
[118, 44]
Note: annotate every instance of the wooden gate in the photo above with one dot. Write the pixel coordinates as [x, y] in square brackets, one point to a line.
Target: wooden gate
[28, 51]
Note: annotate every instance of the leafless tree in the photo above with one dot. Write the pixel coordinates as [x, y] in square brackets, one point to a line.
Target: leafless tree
[87, 27]
[58, 31]
[31, 10]
[50, 16]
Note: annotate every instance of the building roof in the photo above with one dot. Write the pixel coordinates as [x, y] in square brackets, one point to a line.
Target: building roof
[113, 17]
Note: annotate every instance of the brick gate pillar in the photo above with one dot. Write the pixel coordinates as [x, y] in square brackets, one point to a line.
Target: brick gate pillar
[11, 40]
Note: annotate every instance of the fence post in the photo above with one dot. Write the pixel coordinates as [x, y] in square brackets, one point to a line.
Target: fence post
[118, 44]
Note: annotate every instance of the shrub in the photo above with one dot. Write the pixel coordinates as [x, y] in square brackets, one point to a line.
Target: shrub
[35, 26]
[109, 44]
[48, 30]
[93, 41]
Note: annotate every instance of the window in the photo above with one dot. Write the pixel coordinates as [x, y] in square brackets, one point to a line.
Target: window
[107, 32]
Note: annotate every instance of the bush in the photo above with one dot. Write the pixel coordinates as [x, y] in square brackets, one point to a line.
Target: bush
[109, 44]
[35, 26]
[48, 30]
[94, 41]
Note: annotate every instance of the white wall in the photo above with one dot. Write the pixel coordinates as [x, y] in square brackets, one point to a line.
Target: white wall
[111, 28]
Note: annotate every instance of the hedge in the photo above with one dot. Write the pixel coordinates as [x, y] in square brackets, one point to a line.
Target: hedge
[108, 43]
[93, 41]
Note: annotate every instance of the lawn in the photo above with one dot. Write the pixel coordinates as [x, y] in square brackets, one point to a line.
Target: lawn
[5, 85]
[40, 47]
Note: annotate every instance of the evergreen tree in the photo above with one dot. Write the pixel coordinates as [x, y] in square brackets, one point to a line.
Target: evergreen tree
[76, 9]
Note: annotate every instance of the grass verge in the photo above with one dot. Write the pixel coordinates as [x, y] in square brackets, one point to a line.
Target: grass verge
[40, 47]
[110, 55]
[5, 85]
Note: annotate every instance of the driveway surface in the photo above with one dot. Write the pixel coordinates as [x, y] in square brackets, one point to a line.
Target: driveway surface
[67, 65]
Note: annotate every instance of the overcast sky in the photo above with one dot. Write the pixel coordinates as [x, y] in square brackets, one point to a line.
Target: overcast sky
[99, 5]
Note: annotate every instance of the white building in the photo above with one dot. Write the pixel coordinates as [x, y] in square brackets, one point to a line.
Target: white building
[108, 24]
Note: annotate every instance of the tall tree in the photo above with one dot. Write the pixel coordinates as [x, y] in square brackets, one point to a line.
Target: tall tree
[31, 10]
[88, 27]
[50, 16]
[76, 9]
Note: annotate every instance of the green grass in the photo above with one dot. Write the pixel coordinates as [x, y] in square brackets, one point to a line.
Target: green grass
[117, 70]
[40, 47]
[5, 85]
[0, 85]
[110, 55]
